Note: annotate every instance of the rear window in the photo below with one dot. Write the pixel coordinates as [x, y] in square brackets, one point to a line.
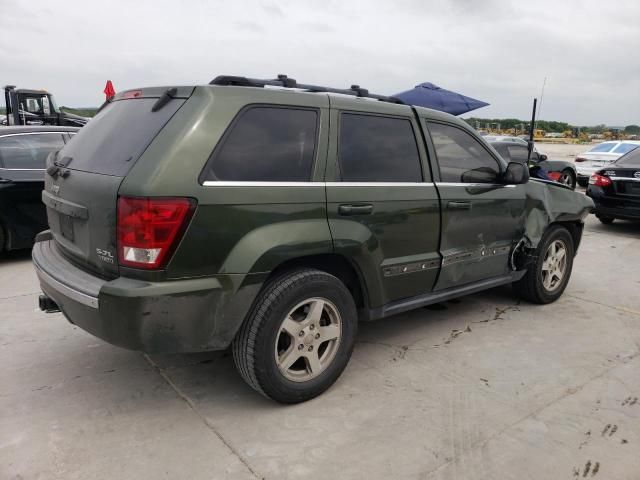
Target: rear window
[631, 159]
[28, 151]
[603, 147]
[113, 140]
[624, 148]
[267, 144]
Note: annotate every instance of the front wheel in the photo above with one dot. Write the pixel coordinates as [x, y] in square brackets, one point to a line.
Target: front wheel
[549, 274]
[568, 178]
[298, 337]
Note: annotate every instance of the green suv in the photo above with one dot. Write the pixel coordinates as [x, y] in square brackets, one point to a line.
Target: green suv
[271, 217]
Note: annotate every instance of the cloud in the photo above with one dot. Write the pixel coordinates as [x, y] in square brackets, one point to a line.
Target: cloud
[495, 51]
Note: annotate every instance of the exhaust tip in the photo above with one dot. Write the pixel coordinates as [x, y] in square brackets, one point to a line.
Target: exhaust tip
[47, 305]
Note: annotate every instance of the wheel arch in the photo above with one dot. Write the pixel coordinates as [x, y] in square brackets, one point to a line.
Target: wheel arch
[335, 264]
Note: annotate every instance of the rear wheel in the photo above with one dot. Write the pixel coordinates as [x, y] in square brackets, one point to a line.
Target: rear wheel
[298, 337]
[549, 274]
[568, 178]
[605, 220]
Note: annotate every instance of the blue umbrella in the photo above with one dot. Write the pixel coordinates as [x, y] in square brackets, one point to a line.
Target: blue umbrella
[431, 96]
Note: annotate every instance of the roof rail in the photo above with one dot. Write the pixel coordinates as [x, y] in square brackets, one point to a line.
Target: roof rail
[286, 82]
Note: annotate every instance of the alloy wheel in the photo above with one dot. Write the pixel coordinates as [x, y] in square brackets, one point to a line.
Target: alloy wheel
[308, 339]
[554, 265]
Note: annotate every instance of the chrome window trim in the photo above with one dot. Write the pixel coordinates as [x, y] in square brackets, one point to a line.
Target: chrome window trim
[23, 169]
[224, 183]
[492, 185]
[3, 135]
[228, 183]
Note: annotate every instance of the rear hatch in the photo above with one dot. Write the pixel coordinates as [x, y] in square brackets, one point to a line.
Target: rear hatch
[82, 181]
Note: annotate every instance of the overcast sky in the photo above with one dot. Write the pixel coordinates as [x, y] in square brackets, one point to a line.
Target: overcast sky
[485, 49]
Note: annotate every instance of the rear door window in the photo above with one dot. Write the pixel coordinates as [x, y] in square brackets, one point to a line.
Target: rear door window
[116, 137]
[28, 151]
[460, 156]
[377, 149]
[266, 144]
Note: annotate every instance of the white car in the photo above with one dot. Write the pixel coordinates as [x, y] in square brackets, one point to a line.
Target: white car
[600, 156]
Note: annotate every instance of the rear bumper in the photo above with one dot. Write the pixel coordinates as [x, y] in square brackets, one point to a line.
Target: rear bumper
[607, 206]
[171, 316]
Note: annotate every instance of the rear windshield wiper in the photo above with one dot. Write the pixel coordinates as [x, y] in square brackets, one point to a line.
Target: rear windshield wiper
[165, 98]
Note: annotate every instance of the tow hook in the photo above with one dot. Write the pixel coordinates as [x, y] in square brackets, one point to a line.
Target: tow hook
[47, 305]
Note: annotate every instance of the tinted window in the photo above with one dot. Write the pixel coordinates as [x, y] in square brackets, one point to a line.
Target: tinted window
[603, 147]
[28, 151]
[378, 149]
[624, 148]
[461, 157]
[113, 140]
[501, 148]
[267, 144]
[518, 153]
[631, 159]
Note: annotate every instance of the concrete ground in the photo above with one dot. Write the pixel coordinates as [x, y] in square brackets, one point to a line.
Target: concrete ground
[480, 388]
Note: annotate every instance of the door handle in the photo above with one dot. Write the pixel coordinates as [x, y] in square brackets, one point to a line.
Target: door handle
[459, 205]
[365, 209]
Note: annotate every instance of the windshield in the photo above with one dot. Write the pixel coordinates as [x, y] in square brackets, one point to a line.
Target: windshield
[603, 147]
[631, 159]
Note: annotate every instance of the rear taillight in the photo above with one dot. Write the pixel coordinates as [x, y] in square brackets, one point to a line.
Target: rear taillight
[580, 159]
[599, 180]
[149, 229]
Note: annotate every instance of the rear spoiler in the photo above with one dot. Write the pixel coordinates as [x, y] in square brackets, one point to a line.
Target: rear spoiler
[150, 92]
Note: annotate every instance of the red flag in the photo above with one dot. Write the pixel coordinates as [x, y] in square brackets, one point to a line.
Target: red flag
[109, 91]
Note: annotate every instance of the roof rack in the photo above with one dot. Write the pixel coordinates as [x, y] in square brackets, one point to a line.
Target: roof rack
[286, 82]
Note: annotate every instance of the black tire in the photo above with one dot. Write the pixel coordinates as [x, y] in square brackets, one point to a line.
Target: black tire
[583, 182]
[3, 239]
[255, 348]
[605, 220]
[570, 178]
[531, 287]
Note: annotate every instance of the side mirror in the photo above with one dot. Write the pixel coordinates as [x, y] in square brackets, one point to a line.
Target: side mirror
[516, 174]
[479, 175]
[542, 157]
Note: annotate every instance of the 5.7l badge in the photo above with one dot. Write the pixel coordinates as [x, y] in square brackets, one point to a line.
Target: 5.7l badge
[105, 255]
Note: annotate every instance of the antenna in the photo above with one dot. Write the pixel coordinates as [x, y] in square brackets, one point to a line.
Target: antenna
[544, 82]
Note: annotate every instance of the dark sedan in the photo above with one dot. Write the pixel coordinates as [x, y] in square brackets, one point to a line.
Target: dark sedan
[514, 149]
[23, 151]
[615, 189]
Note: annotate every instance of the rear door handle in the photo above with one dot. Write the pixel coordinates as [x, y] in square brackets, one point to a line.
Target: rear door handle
[459, 205]
[362, 209]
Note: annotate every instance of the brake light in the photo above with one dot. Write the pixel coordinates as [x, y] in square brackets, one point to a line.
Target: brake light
[149, 229]
[131, 94]
[580, 159]
[599, 180]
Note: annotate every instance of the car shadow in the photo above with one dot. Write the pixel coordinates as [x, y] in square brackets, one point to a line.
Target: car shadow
[15, 256]
[210, 380]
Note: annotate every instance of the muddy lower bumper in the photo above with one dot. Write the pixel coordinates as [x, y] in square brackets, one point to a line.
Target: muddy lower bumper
[171, 316]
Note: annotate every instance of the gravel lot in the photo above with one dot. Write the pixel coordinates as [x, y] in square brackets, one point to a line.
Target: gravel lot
[480, 388]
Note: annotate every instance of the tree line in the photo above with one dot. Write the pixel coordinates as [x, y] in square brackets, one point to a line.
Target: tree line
[546, 125]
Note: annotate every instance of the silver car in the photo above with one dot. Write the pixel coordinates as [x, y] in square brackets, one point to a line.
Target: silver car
[599, 156]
